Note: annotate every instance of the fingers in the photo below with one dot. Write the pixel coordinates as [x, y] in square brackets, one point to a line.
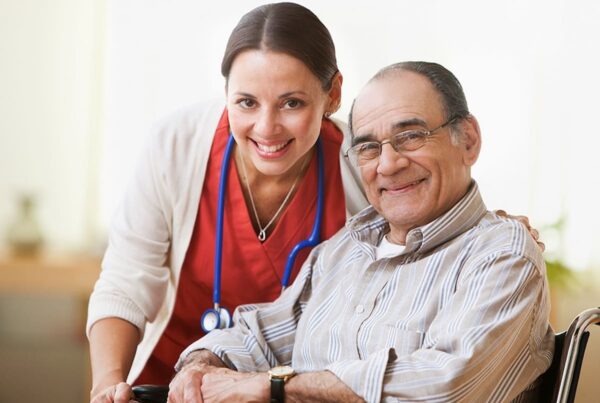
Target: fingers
[521, 218]
[501, 213]
[525, 221]
[534, 233]
[119, 393]
[185, 387]
[123, 393]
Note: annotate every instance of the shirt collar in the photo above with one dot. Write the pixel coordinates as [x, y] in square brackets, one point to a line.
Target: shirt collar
[369, 226]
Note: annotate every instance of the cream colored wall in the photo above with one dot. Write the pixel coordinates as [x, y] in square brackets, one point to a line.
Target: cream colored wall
[50, 108]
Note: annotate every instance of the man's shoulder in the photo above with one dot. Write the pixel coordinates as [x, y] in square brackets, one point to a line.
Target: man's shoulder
[494, 235]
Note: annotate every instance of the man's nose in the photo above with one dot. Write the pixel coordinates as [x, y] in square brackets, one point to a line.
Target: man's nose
[390, 161]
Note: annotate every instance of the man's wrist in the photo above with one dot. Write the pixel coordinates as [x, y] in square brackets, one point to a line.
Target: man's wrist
[278, 376]
[203, 356]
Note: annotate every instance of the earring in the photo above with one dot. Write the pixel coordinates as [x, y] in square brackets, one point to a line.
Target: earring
[327, 114]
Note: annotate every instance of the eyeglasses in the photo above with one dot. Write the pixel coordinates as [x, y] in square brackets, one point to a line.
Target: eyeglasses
[368, 152]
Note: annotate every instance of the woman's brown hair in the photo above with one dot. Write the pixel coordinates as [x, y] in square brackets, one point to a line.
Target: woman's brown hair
[287, 28]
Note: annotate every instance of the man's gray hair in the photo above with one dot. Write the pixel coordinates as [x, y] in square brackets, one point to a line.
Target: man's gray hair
[446, 84]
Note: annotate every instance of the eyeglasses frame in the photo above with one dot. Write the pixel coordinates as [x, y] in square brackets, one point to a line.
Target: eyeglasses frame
[428, 133]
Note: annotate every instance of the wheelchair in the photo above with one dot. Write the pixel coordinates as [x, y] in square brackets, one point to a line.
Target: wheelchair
[558, 383]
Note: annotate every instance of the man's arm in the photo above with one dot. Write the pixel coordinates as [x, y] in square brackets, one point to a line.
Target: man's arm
[322, 386]
[227, 386]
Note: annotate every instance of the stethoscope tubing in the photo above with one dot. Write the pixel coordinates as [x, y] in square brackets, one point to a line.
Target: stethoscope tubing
[314, 238]
[220, 215]
[219, 314]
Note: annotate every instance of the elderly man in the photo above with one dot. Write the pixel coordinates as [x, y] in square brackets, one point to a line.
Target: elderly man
[424, 296]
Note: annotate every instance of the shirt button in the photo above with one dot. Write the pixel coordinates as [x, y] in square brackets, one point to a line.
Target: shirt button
[359, 309]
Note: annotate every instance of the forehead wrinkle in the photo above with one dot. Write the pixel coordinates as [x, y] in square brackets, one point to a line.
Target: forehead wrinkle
[373, 114]
[408, 122]
[380, 127]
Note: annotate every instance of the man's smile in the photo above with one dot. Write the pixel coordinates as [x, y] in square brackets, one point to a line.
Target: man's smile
[402, 188]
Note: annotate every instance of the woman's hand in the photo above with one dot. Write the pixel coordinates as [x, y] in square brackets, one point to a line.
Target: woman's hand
[525, 221]
[119, 393]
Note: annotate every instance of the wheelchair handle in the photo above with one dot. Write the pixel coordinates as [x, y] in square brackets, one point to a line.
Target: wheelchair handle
[151, 393]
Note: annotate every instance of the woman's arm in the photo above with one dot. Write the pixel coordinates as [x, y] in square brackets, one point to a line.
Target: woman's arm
[113, 342]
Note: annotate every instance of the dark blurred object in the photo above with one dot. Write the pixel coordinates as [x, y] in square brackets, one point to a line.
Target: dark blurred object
[151, 393]
[24, 234]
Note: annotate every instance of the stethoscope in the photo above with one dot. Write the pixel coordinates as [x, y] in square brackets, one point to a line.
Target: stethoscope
[219, 317]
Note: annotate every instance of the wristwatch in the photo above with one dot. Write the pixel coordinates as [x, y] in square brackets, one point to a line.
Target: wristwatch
[278, 376]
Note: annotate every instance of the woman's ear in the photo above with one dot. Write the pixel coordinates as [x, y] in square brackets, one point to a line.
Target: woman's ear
[471, 140]
[335, 93]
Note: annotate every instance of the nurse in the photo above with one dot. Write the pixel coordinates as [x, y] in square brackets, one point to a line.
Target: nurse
[282, 84]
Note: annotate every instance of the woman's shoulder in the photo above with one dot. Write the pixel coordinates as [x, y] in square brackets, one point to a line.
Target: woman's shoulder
[187, 128]
[189, 119]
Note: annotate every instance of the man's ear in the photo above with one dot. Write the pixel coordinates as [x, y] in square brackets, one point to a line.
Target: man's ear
[335, 93]
[471, 140]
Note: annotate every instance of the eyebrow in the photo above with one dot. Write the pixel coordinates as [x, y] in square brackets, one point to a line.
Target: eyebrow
[395, 127]
[284, 95]
[409, 122]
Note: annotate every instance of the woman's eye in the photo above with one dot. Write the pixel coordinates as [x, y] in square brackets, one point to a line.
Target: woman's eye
[292, 104]
[246, 103]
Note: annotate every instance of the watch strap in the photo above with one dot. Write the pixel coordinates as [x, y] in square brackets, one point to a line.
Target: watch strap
[277, 390]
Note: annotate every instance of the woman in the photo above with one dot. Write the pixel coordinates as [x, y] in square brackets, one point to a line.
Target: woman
[282, 83]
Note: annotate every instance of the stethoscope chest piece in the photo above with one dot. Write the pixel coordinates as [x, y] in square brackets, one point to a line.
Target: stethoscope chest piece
[218, 318]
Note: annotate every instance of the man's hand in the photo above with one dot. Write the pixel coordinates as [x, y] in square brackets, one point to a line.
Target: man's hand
[525, 221]
[187, 384]
[119, 393]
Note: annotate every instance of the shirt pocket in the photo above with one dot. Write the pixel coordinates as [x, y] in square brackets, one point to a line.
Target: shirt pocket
[404, 341]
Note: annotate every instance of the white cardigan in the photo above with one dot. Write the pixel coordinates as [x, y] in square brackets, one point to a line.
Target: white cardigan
[152, 228]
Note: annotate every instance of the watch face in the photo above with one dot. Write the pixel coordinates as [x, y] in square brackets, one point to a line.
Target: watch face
[282, 371]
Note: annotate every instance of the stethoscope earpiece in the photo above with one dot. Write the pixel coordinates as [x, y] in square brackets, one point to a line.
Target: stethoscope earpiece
[219, 317]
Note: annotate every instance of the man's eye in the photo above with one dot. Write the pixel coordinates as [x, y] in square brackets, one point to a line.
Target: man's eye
[367, 149]
[413, 135]
[409, 140]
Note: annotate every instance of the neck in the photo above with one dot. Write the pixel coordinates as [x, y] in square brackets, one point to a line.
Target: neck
[397, 236]
[267, 195]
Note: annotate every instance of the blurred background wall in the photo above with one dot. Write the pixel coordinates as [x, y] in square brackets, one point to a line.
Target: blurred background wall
[81, 82]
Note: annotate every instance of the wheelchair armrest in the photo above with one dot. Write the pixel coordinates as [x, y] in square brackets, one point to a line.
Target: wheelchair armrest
[151, 393]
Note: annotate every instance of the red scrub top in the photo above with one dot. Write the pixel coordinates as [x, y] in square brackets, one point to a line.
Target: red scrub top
[251, 270]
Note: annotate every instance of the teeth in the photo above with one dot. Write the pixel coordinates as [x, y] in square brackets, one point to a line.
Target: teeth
[271, 149]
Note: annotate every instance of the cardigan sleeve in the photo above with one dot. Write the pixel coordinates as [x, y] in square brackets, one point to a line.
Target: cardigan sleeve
[152, 227]
[134, 275]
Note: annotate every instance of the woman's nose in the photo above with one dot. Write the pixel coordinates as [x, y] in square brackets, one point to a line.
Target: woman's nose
[267, 122]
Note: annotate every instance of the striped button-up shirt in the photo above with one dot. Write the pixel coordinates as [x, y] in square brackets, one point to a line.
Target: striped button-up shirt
[460, 315]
